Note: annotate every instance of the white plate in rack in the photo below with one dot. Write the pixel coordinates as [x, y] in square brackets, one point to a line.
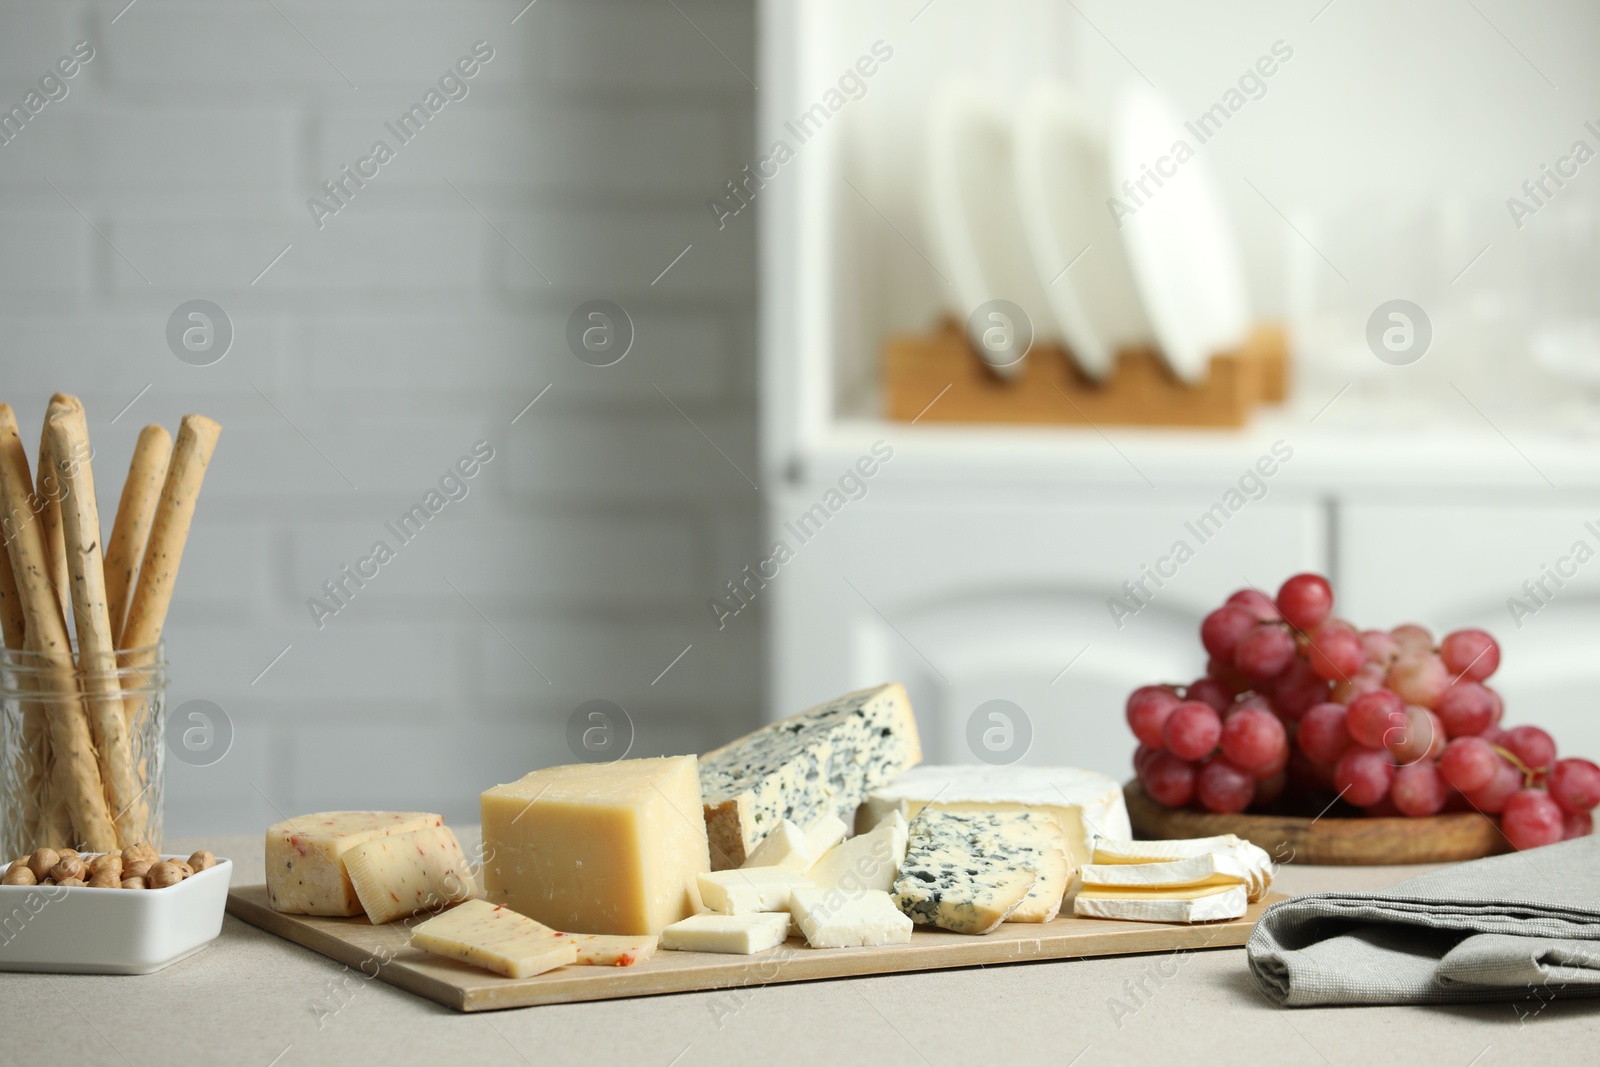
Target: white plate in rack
[80, 930]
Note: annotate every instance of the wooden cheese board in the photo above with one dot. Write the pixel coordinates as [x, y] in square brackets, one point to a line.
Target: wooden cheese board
[384, 950]
[1334, 838]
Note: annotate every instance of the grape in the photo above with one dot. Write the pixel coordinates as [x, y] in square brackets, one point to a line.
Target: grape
[1470, 654]
[1373, 715]
[1576, 824]
[1414, 741]
[1418, 790]
[1531, 819]
[1221, 630]
[1256, 603]
[1264, 652]
[1499, 706]
[1192, 730]
[1270, 789]
[1223, 787]
[1323, 735]
[1491, 799]
[1148, 708]
[1469, 763]
[1413, 639]
[1419, 679]
[1494, 735]
[1365, 680]
[1308, 774]
[1336, 650]
[1466, 708]
[1363, 776]
[1573, 783]
[1531, 745]
[1379, 647]
[1305, 600]
[1254, 740]
[1142, 757]
[1209, 691]
[1226, 675]
[1247, 700]
[1169, 780]
[1297, 689]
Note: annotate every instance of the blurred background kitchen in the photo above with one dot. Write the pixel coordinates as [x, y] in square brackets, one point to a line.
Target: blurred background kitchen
[589, 158]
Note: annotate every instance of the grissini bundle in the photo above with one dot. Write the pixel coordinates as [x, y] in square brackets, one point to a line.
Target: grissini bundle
[75, 772]
[97, 659]
[136, 509]
[47, 492]
[169, 529]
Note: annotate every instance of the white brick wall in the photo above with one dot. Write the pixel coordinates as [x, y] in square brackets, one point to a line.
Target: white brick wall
[392, 339]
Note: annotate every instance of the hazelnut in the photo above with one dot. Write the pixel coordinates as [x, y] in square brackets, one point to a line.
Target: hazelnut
[168, 872]
[19, 874]
[71, 881]
[133, 883]
[68, 867]
[105, 880]
[202, 860]
[141, 851]
[68, 853]
[41, 862]
[109, 864]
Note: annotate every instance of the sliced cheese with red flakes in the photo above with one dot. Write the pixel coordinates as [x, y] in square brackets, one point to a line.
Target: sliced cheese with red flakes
[495, 938]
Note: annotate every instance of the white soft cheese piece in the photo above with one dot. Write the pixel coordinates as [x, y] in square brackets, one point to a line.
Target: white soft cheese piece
[748, 890]
[1195, 905]
[823, 833]
[741, 935]
[1086, 804]
[866, 861]
[1210, 868]
[785, 847]
[834, 918]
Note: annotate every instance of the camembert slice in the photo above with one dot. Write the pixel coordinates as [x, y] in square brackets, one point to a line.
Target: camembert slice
[960, 875]
[1191, 905]
[496, 939]
[1207, 869]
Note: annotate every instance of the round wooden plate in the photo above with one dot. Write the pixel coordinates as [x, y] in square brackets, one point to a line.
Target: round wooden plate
[1330, 839]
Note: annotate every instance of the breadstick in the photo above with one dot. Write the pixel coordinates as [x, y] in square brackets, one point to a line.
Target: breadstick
[12, 624]
[134, 512]
[147, 612]
[97, 658]
[47, 491]
[75, 772]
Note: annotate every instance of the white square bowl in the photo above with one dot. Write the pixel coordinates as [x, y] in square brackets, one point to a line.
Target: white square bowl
[79, 930]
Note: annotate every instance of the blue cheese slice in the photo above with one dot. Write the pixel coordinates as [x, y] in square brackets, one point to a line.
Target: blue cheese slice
[821, 762]
[960, 874]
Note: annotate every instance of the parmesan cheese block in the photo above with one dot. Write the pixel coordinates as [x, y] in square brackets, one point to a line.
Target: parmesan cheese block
[960, 875]
[401, 874]
[305, 857]
[866, 861]
[609, 950]
[830, 918]
[496, 939]
[741, 935]
[821, 762]
[1195, 904]
[749, 889]
[1084, 803]
[598, 848]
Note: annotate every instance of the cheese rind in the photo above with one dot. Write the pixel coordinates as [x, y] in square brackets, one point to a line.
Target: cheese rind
[832, 918]
[496, 939]
[741, 935]
[960, 875]
[750, 889]
[1194, 905]
[866, 861]
[598, 848]
[306, 872]
[1083, 803]
[822, 761]
[401, 874]
[613, 950]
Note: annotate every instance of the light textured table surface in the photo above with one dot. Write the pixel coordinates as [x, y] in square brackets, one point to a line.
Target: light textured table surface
[253, 1000]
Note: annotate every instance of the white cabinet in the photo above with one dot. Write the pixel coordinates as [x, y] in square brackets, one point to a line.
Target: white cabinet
[971, 595]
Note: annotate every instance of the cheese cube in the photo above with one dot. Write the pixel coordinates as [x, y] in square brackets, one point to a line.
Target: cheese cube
[608, 950]
[832, 918]
[749, 889]
[496, 939]
[598, 848]
[738, 934]
[1190, 905]
[305, 857]
[1086, 804]
[402, 874]
[867, 861]
[958, 874]
[821, 762]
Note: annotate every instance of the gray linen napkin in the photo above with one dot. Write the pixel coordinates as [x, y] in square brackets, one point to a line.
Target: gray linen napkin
[1525, 925]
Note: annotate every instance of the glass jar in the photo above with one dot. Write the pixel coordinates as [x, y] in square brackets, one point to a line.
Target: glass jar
[48, 709]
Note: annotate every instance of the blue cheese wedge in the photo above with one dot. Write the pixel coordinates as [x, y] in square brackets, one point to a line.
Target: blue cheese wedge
[1037, 836]
[960, 875]
[821, 762]
[832, 918]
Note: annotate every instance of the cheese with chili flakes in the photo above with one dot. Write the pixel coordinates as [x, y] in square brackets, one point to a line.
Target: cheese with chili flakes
[305, 857]
[494, 937]
[614, 950]
[401, 874]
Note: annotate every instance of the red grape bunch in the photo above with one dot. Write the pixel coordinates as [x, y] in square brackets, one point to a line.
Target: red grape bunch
[1299, 704]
